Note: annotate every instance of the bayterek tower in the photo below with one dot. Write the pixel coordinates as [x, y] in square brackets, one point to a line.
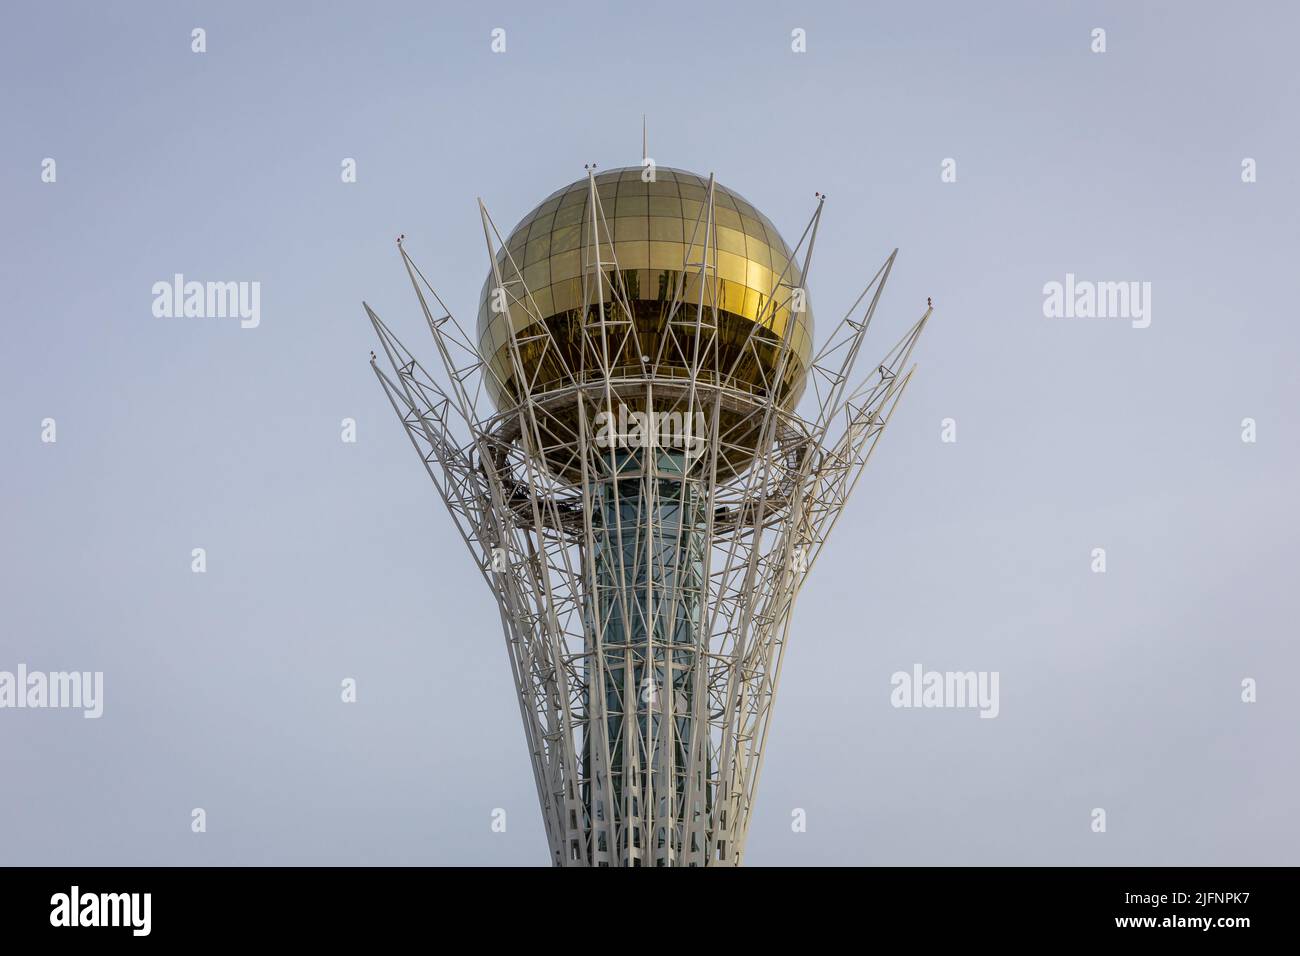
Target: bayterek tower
[644, 447]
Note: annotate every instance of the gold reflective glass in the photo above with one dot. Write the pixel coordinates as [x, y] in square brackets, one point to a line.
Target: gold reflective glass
[652, 226]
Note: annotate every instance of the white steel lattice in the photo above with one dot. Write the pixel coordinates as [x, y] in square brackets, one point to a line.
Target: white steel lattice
[645, 591]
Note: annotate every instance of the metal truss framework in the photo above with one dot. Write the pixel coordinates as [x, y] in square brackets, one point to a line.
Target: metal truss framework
[645, 596]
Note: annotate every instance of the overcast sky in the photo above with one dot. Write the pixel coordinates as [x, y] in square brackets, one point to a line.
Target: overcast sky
[328, 560]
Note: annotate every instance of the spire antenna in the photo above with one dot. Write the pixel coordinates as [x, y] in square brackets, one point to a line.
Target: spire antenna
[645, 151]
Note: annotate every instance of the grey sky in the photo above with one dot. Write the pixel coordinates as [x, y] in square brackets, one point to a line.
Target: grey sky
[329, 560]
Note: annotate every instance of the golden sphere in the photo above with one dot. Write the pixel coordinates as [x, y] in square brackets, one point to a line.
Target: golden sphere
[658, 242]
